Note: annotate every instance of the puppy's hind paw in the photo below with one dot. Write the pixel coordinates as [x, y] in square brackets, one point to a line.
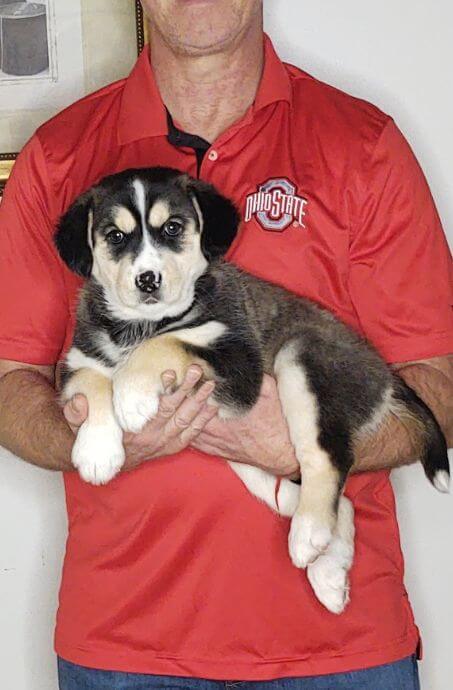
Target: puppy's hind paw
[308, 538]
[330, 583]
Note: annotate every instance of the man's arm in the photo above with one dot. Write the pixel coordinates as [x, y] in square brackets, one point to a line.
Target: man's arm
[32, 424]
[432, 380]
[34, 427]
[261, 437]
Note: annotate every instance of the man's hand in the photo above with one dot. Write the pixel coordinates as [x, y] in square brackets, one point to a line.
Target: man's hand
[258, 438]
[180, 418]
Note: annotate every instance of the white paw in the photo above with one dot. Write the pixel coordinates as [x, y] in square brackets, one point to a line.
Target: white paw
[329, 578]
[98, 452]
[307, 539]
[135, 400]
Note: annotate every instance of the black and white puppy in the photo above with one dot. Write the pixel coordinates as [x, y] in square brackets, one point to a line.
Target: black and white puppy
[158, 296]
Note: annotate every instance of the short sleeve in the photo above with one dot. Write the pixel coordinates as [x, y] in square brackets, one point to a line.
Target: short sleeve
[401, 277]
[33, 304]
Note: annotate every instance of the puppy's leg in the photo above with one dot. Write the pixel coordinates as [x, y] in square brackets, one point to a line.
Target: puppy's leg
[316, 515]
[137, 384]
[284, 499]
[98, 451]
[329, 573]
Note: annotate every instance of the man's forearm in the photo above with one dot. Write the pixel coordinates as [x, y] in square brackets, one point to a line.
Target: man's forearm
[32, 425]
[394, 444]
[433, 382]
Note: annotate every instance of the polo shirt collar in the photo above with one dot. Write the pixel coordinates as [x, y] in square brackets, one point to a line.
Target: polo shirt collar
[142, 111]
[275, 83]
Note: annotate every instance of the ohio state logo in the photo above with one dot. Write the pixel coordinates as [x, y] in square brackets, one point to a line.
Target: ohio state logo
[276, 205]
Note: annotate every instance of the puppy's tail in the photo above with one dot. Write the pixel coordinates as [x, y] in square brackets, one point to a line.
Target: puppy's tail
[432, 446]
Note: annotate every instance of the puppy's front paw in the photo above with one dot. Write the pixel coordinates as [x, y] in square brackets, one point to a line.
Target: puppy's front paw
[98, 452]
[135, 399]
[308, 538]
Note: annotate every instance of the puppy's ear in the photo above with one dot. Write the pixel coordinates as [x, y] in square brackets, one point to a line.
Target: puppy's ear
[219, 219]
[72, 236]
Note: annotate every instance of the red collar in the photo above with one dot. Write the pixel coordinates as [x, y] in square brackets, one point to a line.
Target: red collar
[142, 113]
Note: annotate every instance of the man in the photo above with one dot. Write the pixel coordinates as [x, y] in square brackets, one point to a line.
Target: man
[173, 572]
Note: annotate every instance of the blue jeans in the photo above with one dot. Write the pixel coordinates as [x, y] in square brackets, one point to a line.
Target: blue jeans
[401, 675]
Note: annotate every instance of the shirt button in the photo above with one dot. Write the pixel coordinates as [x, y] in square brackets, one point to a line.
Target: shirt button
[213, 155]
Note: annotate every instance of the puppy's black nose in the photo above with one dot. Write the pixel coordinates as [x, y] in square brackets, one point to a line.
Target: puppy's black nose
[148, 281]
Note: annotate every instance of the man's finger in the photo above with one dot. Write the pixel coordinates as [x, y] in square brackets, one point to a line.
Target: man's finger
[170, 403]
[197, 425]
[76, 410]
[168, 381]
[189, 409]
[192, 377]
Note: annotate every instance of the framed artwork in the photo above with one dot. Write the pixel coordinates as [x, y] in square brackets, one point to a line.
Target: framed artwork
[51, 55]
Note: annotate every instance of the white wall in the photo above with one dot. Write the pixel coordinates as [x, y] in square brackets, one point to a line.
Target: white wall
[398, 54]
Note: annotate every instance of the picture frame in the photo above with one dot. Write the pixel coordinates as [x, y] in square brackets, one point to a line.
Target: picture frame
[98, 70]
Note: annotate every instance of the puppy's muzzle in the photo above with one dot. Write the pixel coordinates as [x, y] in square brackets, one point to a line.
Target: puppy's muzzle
[148, 282]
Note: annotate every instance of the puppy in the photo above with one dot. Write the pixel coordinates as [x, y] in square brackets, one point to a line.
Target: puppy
[158, 296]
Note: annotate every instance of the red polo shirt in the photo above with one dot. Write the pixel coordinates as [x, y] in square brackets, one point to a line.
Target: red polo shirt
[175, 568]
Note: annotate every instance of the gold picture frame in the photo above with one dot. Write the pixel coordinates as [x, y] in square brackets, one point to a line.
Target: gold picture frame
[6, 165]
[7, 159]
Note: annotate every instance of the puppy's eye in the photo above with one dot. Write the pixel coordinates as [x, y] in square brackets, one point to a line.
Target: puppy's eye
[115, 236]
[173, 228]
